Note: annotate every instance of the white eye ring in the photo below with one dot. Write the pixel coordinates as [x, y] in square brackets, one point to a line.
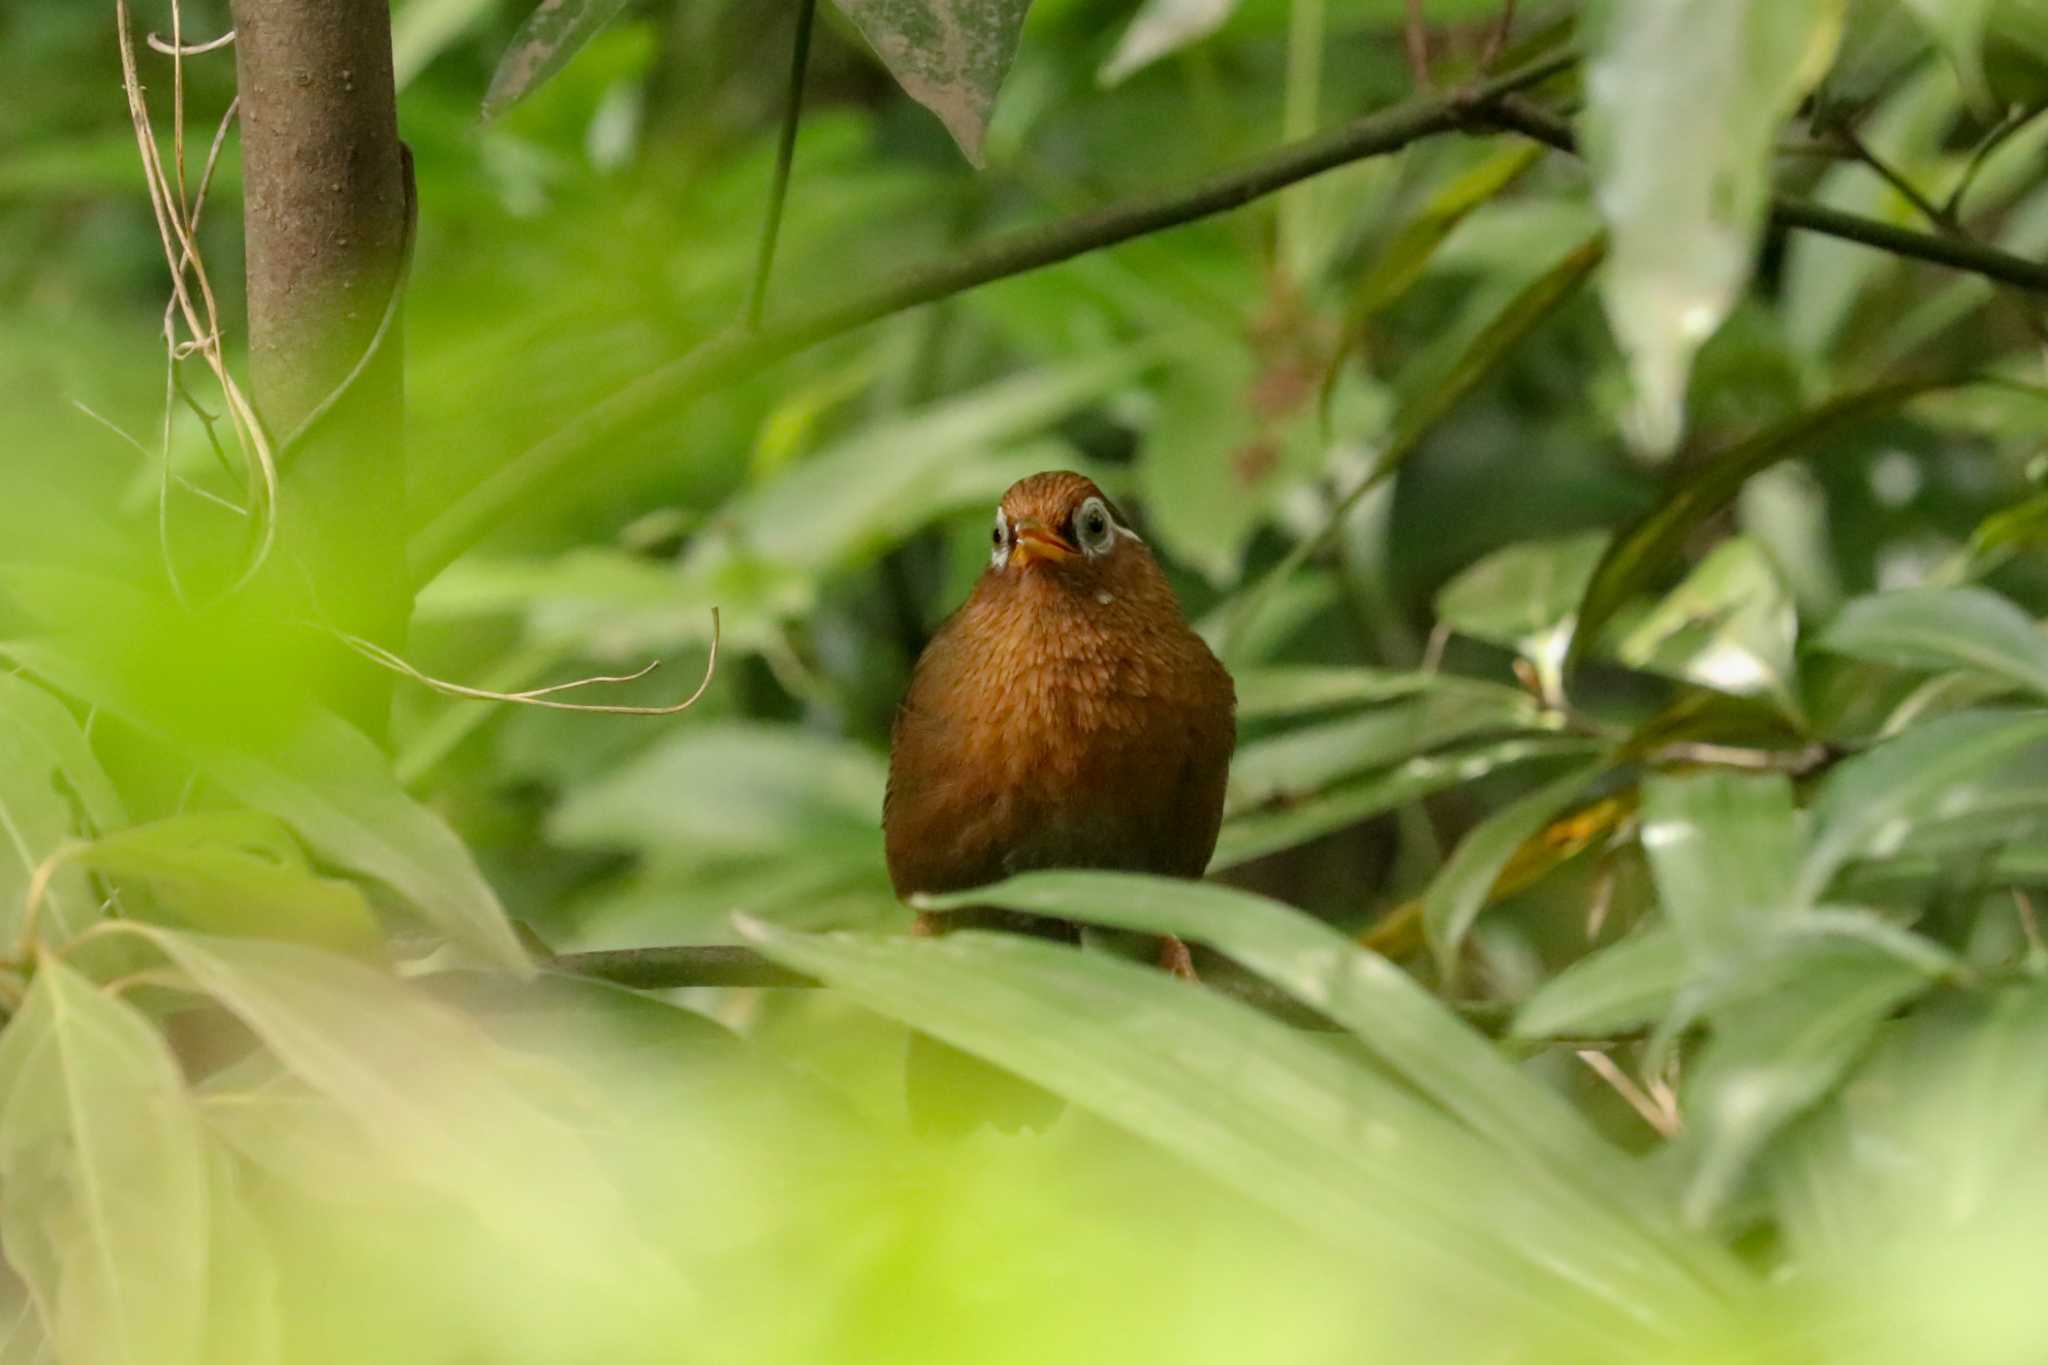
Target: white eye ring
[1095, 528]
[999, 540]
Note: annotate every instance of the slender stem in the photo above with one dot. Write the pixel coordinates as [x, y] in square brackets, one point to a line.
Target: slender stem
[785, 153]
[452, 530]
[1927, 208]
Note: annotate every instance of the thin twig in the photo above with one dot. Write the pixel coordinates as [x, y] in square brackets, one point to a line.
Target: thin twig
[189, 49]
[181, 252]
[1655, 1113]
[540, 696]
[1415, 45]
[1497, 39]
[1981, 153]
[785, 155]
[1890, 174]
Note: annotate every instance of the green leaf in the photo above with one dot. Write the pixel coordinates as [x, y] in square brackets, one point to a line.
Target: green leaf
[1776, 1052]
[1159, 29]
[1623, 987]
[322, 777]
[1724, 848]
[1254, 832]
[1523, 597]
[237, 873]
[104, 1175]
[1304, 760]
[45, 766]
[433, 1096]
[1259, 1106]
[739, 787]
[1730, 625]
[1957, 26]
[1934, 771]
[1460, 890]
[1642, 548]
[551, 35]
[1289, 689]
[1944, 628]
[948, 55]
[245, 1315]
[1684, 101]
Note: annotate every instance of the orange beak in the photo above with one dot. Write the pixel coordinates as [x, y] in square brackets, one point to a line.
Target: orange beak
[1034, 541]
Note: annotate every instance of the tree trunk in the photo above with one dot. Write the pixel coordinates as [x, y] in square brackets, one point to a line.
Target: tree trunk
[327, 212]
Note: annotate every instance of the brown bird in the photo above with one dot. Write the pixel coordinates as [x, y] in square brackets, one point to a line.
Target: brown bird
[1065, 716]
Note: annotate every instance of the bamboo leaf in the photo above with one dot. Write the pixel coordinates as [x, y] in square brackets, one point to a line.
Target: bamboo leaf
[1944, 628]
[1460, 890]
[104, 1176]
[1683, 102]
[551, 35]
[1724, 848]
[1258, 1105]
[1255, 831]
[1871, 803]
[1625, 986]
[237, 873]
[1641, 549]
[1159, 29]
[43, 760]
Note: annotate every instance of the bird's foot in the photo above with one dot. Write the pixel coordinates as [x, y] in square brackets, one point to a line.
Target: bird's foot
[1176, 960]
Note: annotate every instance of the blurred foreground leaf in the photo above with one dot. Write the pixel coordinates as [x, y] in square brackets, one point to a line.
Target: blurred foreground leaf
[104, 1176]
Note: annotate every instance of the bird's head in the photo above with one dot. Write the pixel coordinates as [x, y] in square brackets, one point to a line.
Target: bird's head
[1058, 529]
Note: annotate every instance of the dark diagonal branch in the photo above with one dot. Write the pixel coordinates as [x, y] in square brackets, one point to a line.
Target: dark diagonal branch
[728, 356]
[1957, 253]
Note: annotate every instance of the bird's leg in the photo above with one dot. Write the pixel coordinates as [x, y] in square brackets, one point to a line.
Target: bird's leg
[1176, 960]
[928, 924]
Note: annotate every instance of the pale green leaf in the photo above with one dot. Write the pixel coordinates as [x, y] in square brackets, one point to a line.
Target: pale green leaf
[1254, 1103]
[237, 873]
[1944, 628]
[1161, 28]
[1459, 892]
[435, 1097]
[1869, 805]
[45, 765]
[1774, 1053]
[1957, 26]
[1524, 597]
[103, 1201]
[1684, 101]
[1724, 848]
[1621, 988]
[1730, 625]
[1255, 831]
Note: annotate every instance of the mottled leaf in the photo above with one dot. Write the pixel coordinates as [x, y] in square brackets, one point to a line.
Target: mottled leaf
[948, 55]
[544, 44]
[1731, 626]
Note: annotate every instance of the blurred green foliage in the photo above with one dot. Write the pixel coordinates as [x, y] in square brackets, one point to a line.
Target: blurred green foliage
[1684, 792]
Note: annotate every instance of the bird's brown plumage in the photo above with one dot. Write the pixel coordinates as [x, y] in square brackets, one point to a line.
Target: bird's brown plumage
[1065, 716]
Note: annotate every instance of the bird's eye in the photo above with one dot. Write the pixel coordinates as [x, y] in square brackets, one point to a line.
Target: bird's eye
[1094, 527]
[999, 539]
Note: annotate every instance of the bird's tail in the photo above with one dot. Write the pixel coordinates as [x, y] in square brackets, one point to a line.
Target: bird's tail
[950, 1093]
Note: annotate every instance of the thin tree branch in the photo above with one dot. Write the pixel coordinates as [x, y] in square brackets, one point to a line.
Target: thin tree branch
[785, 154]
[1892, 176]
[725, 357]
[1977, 259]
